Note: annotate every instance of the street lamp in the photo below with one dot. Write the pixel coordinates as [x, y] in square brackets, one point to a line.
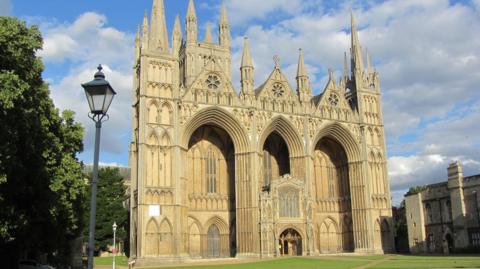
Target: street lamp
[114, 249]
[99, 96]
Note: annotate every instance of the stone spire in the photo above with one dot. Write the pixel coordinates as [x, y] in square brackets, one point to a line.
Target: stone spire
[301, 68]
[208, 34]
[191, 23]
[158, 28]
[303, 82]
[246, 58]
[224, 28]
[369, 61]
[246, 69]
[137, 43]
[137, 36]
[176, 37]
[356, 50]
[345, 67]
[145, 31]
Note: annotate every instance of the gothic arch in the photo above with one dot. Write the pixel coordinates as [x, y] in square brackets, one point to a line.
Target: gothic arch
[217, 117]
[329, 235]
[152, 238]
[166, 237]
[165, 139]
[153, 138]
[293, 227]
[153, 112]
[219, 222]
[166, 114]
[341, 135]
[287, 131]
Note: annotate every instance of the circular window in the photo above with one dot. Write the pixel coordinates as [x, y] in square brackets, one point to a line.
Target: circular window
[333, 100]
[213, 82]
[278, 90]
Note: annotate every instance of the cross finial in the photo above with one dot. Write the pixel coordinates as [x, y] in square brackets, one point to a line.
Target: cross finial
[276, 59]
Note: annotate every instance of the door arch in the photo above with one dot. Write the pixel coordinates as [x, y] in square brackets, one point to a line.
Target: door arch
[290, 243]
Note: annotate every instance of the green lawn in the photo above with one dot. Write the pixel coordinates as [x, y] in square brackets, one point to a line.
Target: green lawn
[340, 262]
[119, 260]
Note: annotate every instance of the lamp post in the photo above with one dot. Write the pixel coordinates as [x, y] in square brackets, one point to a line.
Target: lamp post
[114, 226]
[99, 96]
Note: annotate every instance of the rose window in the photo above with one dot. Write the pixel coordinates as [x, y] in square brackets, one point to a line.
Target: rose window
[278, 90]
[333, 99]
[213, 82]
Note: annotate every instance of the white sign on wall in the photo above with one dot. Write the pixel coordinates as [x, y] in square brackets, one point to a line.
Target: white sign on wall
[154, 210]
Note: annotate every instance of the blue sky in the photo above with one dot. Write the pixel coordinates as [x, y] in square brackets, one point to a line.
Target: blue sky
[427, 53]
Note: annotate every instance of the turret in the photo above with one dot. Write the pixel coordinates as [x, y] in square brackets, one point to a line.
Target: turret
[303, 81]
[176, 37]
[191, 23]
[246, 70]
[224, 28]
[158, 28]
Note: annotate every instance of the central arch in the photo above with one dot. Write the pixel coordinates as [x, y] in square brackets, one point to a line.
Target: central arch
[287, 131]
[282, 128]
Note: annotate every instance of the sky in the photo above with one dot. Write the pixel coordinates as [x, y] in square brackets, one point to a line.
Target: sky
[426, 51]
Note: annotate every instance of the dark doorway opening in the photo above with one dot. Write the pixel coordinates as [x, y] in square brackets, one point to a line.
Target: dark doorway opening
[290, 243]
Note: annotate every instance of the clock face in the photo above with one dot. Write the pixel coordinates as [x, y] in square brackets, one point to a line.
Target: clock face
[278, 90]
[213, 82]
[333, 99]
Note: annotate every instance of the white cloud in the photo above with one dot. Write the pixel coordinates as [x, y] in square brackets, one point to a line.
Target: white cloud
[83, 44]
[426, 53]
[5, 7]
[425, 50]
[87, 39]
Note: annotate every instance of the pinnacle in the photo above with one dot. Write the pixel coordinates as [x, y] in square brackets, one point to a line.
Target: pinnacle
[223, 14]
[208, 34]
[191, 9]
[301, 69]
[246, 58]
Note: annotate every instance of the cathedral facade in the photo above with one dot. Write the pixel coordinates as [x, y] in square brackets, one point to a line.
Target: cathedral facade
[255, 172]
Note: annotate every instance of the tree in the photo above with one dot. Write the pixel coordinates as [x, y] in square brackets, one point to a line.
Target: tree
[110, 198]
[416, 189]
[41, 184]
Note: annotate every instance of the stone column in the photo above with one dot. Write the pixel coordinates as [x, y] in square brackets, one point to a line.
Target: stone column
[248, 236]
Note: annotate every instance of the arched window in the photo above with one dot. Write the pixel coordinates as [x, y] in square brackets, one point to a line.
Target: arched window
[211, 171]
[289, 203]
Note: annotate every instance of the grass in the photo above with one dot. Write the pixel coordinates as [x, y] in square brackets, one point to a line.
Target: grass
[340, 262]
[119, 260]
[421, 262]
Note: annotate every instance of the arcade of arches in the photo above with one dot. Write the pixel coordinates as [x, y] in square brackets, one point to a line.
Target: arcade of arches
[253, 172]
